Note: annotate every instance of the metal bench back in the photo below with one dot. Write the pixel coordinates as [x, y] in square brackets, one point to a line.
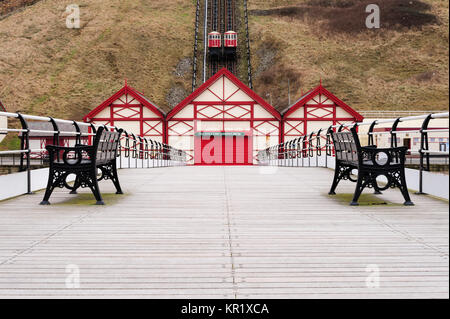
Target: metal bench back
[106, 144]
[346, 146]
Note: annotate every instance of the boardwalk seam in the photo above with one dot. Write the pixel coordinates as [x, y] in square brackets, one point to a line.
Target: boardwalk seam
[406, 235]
[35, 244]
[230, 239]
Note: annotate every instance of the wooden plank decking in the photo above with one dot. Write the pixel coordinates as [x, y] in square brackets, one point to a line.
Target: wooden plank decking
[224, 232]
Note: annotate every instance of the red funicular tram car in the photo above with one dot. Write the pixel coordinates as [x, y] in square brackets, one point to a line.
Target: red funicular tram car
[214, 40]
[230, 39]
[214, 43]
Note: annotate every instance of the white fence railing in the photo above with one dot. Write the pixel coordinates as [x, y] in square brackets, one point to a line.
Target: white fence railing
[316, 148]
[134, 151]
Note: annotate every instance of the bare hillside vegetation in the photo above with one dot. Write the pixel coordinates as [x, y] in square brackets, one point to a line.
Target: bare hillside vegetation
[46, 68]
[401, 66]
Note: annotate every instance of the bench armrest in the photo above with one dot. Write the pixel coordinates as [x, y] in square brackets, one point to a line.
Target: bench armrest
[392, 155]
[374, 149]
[54, 148]
[78, 150]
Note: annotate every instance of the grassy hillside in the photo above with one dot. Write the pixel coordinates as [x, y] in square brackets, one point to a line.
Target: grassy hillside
[403, 65]
[46, 68]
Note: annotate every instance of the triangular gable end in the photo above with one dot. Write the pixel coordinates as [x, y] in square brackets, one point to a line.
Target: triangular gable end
[126, 90]
[321, 90]
[213, 82]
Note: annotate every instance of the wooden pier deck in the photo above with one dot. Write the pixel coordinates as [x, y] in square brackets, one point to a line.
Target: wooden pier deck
[224, 232]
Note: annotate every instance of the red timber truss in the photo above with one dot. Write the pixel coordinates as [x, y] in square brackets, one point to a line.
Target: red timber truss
[316, 109]
[131, 110]
[224, 105]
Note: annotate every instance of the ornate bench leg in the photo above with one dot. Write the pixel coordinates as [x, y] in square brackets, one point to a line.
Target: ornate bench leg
[360, 185]
[336, 179]
[376, 188]
[404, 189]
[49, 189]
[76, 185]
[115, 178]
[94, 187]
[55, 178]
[110, 172]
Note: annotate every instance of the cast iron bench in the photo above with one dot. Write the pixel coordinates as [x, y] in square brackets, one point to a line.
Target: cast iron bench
[370, 162]
[84, 161]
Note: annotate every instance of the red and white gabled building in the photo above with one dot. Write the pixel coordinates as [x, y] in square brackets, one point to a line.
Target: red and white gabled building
[130, 110]
[223, 122]
[316, 109]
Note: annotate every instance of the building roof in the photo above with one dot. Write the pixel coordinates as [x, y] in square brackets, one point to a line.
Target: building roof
[236, 81]
[301, 98]
[125, 90]
[321, 90]
[47, 126]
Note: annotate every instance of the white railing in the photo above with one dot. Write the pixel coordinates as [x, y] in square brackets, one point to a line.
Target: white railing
[393, 114]
[138, 152]
[308, 150]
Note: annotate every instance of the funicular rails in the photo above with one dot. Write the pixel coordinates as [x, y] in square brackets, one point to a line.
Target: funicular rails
[247, 35]
[214, 24]
[194, 58]
[229, 18]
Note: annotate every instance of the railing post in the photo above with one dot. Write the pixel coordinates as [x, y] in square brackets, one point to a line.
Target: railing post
[310, 149]
[77, 128]
[159, 148]
[152, 154]
[134, 150]
[25, 142]
[328, 146]
[370, 133]
[120, 148]
[318, 147]
[394, 133]
[298, 149]
[146, 152]
[424, 147]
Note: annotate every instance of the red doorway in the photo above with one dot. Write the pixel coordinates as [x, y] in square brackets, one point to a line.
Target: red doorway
[221, 148]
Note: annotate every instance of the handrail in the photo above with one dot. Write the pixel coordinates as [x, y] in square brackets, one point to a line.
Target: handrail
[304, 148]
[139, 149]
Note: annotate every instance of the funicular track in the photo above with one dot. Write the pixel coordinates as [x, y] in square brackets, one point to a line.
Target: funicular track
[194, 59]
[230, 18]
[220, 16]
[214, 24]
[247, 36]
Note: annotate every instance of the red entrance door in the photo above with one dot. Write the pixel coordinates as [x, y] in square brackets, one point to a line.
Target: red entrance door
[224, 150]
